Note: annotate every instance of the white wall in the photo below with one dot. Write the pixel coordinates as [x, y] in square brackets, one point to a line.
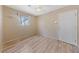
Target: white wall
[47, 27]
[12, 28]
[46, 24]
[0, 28]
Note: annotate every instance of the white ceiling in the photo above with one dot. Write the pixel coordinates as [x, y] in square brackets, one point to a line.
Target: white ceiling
[31, 9]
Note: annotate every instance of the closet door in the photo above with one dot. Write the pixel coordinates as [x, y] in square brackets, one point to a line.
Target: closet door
[68, 27]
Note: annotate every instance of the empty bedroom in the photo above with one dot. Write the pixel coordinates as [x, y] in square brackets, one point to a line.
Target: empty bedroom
[39, 29]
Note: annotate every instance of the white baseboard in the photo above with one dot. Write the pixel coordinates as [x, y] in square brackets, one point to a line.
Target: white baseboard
[47, 36]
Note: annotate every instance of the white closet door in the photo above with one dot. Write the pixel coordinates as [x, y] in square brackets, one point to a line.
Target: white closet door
[68, 27]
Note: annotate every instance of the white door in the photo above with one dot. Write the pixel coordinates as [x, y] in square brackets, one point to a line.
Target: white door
[68, 27]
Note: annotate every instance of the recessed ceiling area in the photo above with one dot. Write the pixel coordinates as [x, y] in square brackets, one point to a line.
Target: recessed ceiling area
[36, 10]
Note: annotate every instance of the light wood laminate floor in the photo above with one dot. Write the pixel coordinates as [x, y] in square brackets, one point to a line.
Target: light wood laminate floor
[40, 44]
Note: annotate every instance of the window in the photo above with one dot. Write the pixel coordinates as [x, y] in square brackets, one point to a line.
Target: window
[24, 20]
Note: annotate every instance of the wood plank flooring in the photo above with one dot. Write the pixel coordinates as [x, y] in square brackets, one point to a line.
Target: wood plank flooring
[40, 44]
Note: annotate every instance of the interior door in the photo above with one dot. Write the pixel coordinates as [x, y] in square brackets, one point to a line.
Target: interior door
[68, 27]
